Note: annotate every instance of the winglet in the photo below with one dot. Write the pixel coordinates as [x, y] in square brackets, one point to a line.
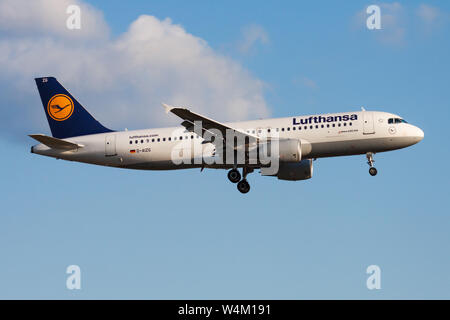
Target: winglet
[167, 107]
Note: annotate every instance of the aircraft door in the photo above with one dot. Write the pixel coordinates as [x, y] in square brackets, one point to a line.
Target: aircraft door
[368, 125]
[110, 145]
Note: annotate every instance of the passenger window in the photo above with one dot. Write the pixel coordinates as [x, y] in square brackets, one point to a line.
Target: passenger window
[321, 126]
[345, 124]
[293, 128]
[282, 129]
[181, 138]
[136, 141]
[164, 139]
[390, 121]
[131, 142]
[169, 138]
[310, 127]
[328, 125]
[305, 127]
[268, 130]
[350, 124]
[334, 125]
[153, 140]
[159, 139]
[317, 126]
[339, 124]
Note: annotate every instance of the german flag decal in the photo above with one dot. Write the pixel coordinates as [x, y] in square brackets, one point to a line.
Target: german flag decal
[132, 151]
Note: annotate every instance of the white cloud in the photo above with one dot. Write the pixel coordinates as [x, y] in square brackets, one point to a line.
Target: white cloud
[121, 81]
[392, 30]
[431, 18]
[251, 36]
[306, 82]
[392, 22]
[427, 13]
[21, 17]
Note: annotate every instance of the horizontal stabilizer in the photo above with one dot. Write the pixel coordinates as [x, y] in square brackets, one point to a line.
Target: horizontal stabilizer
[55, 143]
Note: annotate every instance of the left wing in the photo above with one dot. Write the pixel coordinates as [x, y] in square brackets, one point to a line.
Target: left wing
[207, 125]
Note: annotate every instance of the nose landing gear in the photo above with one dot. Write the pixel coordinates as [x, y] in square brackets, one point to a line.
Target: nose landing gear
[372, 170]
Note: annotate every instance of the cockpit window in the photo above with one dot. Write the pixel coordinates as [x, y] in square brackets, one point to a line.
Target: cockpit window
[396, 120]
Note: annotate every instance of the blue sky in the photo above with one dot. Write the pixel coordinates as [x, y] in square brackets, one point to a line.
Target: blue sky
[191, 235]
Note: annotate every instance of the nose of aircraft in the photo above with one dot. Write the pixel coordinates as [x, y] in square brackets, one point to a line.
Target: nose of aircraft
[418, 134]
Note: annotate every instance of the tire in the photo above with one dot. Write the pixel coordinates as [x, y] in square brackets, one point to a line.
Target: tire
[234, 176]
[373, 171]
[243, 186]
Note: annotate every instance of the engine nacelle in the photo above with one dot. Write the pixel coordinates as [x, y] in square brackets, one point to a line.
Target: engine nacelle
[289, 150]
[284, 150]
[290, 166]
[294, 171]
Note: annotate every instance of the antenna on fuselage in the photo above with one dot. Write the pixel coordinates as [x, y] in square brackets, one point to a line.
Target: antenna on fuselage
[362, 108]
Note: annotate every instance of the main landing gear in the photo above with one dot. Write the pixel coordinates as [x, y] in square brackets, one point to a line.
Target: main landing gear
[234, 175]
[242, 185]
[372, 171]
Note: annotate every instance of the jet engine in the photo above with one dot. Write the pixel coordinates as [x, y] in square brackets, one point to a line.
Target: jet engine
[294, 171]
[285, 150]
[290, 164]
[289, 150]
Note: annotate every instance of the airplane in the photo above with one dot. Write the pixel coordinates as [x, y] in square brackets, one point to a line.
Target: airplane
[201, 142]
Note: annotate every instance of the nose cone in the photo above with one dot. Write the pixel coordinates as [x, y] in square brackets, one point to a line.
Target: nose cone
[418, 134]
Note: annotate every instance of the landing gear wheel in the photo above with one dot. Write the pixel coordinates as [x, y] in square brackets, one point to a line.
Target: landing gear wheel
[373, 171]
[234, 175]
[243, 186]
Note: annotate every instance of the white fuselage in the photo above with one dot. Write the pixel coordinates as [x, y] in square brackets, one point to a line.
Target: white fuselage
[151, 149]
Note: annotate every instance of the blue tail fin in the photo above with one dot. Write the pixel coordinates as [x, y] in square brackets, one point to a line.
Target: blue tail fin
[65, 115]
